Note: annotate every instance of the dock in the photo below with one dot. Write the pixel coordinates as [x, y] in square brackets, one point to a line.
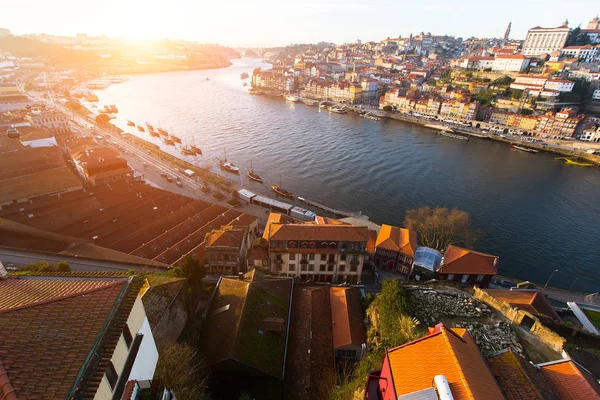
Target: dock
[331, 210]
[453, 135]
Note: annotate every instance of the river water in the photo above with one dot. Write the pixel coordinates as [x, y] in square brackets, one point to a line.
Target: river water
[535, 212]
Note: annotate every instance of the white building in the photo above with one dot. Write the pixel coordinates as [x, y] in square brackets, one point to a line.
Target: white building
[596, 95]
[590, 135]
[544, 40]
[510, 62]
[542, 85]
[587, 53]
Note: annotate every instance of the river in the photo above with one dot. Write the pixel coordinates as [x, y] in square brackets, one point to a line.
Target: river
[535, 212]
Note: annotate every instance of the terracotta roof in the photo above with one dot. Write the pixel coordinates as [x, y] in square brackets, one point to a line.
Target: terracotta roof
[449, 352]
[243, 220]
[532, 301]
[371, 242]
[512, 56]
[570, 381]
[318, 232]
[276, 218]
[328, 221]
[346, 315]
[225, 238]
[396, 239]
[511, 377]
[70, 325]
[462, 261]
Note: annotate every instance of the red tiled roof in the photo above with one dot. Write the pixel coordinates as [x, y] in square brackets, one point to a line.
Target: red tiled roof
[570, 381]
[532, 301]
[400, 240]
[318, 232]
[64, 324]
[511, 377]
[463, 261]
[346, 315]
[449, 352]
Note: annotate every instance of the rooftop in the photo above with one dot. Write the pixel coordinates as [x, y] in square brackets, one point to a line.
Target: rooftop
[532, 301]
[570, 381]
[400, 240]
[346, 315]
[449, 352]
[512, 377]
[463, 261]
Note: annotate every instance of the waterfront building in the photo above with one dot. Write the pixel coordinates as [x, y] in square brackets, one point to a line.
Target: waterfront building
[468, 267]
[587, 53]
[591, 134]
[561, 124]
[226, 250]
[97, 164]
[459, 109]
[510, 63]
[446, 360]
[80, 336]
[395, 249]
[542, 85]
[541, 41]
[273, 81]
[53, 121]
[321, 253]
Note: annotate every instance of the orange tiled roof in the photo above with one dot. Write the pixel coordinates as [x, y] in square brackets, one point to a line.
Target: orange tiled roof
[225, 238]
[570, 381]
[276, 218]
[318, 232]
[346, 316]
[511, 377]
[531, 301]
[448, 352]
[396, 239]
[60, 323]
[463, 261]
[371, 242]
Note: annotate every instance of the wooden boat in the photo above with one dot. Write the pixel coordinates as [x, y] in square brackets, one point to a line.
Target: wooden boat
[282, 192]
[175, 138]
[163, 132]
[337, 110]
[153, 134]
[528, 150]
[130, 123]
[227, 166]
[150, 127]
[168, 141]
[252, 175]
[576, 162]
[244, 75]
[187, 151]
[141, 128]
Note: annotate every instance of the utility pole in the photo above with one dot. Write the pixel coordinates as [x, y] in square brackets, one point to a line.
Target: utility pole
[551, 275]
[572, 284]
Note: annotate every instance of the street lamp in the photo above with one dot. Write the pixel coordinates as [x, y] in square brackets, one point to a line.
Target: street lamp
[551, 275]
[572, 284]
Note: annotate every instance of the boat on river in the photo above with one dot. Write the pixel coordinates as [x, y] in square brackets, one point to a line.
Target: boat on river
[141, 128]
[130, 123]
[150, 127]
[370, 116]
[227, 166]
[153, 134]
[291, 97]
[168, 141]
[337, 110]
[281, 191]
[187, 151]
[578, 162]
[244, 75]
[175, 138]
[163, 132]
[525, 149]
[196, 149]
[252, 175]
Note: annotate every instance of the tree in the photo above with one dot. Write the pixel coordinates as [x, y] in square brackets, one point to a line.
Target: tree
[387, 108]
[193, 270]
[516, 94]
[441, 227]
[63, 266]
[40, 266]
[503, 81]
[181, 368]
[102, 119]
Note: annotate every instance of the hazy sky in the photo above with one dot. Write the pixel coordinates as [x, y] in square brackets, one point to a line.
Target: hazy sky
[280, 22]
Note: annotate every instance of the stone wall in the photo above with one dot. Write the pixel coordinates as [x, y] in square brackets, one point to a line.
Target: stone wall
[173, 321]
[519, 317]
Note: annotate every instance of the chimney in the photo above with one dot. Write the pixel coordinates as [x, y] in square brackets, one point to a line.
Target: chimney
[241, 276]
[3, 272]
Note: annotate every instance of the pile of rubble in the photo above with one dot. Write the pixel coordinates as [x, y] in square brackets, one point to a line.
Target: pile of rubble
[491, 338]
[431, 305]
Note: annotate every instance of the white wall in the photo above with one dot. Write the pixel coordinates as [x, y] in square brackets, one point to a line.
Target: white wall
[147, 357]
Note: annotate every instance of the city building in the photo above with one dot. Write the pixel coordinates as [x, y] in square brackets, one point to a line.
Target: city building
[349, 334]
[510, 63]
[540, 41]
[226, 250]
[591, 134]
[542, 85]
[468, 266]
[561, 124]
[446, 360]
[80, 335]
[321, 253]
[395, 249]
[459, 109]
[587, 53]
[273, 80]
[245, 334]
[53, 121]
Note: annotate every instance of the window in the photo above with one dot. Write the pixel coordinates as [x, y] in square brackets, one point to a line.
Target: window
[311, 267]
[330, 267]
[465, 278]
[303, 267]
[278, 267]
[322, 268]
[343, 257]
[331, 258]
[342, 268]
[450, 277]
[311, 256]
[353, 267]
[278, 257]
[343, 353]
[127, 336]
[292, 256]
[479, 278]
[111, 375]
[292, 267]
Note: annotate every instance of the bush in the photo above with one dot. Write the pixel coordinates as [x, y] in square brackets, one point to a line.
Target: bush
[387, 108]
[63, 266]
[181, 368]
[40, 266]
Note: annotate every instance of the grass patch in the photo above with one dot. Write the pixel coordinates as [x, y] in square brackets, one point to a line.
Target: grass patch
[593, 316]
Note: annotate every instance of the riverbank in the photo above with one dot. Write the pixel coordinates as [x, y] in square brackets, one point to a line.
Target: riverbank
[591, 158]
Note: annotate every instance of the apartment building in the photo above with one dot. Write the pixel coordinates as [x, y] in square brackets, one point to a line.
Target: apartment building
[544, 40]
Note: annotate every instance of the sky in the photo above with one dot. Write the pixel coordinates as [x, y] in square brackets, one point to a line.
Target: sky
[281, 22]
